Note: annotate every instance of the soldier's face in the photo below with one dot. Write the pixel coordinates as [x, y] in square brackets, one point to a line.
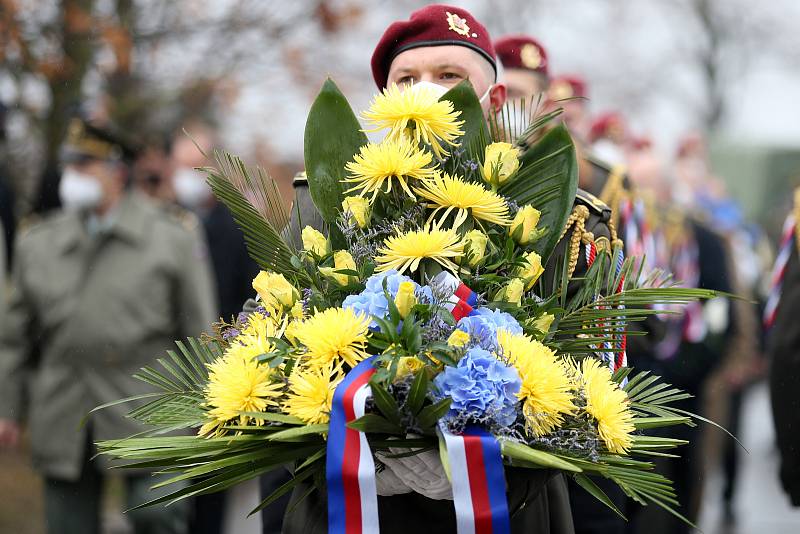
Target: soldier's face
[448, 66]
[524, 84]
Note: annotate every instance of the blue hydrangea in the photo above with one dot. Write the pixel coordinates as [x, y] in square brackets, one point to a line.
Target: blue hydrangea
[372, 301]
[483, 325]
[482, 387]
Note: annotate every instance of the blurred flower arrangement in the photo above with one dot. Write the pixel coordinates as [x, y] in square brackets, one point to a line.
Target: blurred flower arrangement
[436, 265]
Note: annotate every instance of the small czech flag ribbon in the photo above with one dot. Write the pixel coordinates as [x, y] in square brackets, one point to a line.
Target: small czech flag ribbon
[350, 469]
[462, 299]
[479, 482]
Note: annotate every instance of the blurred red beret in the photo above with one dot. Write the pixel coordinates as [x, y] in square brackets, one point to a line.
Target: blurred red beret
[521, 52]
[433, 25]
[609, 125]
[568, 86]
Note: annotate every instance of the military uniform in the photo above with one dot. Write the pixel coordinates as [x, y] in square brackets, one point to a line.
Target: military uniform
[98, 308]
[783, 350]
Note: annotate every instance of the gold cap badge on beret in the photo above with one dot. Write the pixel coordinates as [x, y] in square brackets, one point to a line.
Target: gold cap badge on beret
[561, 90]
[530, 56]
[458, 25]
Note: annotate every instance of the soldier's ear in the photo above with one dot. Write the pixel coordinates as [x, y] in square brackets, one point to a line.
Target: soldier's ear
[498, 95]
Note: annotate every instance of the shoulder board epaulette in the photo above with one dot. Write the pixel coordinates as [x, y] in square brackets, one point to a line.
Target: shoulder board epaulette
[300, 179]
[182, 216]
[592, 202]
[597, 162]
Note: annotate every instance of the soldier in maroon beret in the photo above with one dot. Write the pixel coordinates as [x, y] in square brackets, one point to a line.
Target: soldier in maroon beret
[525, 66]
[443, 45]
[571, 92]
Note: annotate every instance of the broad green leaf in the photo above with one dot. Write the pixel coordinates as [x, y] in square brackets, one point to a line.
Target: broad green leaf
[432, 413]
[418, 392]
[476, 131]
[547, 180]
[385, 402]
[332, 137]
[298, 432]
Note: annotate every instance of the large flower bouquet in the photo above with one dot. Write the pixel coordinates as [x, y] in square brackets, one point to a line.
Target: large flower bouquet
[429, 313]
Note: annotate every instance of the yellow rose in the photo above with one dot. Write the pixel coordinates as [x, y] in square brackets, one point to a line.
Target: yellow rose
[532, 269]
[359, 209]
[475, 246]
[314, 241]
[512, 292]
[523, 227]
[458, 338]
[543, 322]
[406, 298]
[342, 260]
[275, 291]
[408, 365]
[501, 161]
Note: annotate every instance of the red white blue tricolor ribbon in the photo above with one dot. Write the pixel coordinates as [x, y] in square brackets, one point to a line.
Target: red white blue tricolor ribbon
[479, 483]
[350, 469]
[779, 271]
[462, 299]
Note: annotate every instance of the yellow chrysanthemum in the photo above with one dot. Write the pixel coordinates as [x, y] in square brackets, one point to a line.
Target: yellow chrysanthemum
[546, 390]
[449, 193]
[376, 166]
[418, 114]
[333, 337]
[238, 383]
[311, 394]
[405, 251]
[607, 404]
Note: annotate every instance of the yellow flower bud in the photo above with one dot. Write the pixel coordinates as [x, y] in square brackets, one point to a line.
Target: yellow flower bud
[290, 332]
[523, 227]
[532, 269]
[275, 291]
[512, 292]
[297, 311]
[406, 298]
[458, 339]
[359, 210]
[342, 261]
[543, 322]
[501, 161]
[475, 246]
[314, 241]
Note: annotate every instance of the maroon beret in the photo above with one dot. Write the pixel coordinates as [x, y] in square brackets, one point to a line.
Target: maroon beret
[609, 125]
[567, 86]
[433, 25]
[521, 52]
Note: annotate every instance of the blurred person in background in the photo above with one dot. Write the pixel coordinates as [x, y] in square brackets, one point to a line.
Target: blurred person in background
[570, 92]
[8, 222]
[233, 271]
[783, 350]
[103, 287]
[151, 172]
[525, 67]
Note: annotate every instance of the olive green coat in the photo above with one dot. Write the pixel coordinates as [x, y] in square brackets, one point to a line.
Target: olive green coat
[86, 312]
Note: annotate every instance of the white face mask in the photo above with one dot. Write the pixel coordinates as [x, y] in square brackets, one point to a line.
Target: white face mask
[79, 191]
[486, 94]
[608, 151]
[435, 88]
[191, 188]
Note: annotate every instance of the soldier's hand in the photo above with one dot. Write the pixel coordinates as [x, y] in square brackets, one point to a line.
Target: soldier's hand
[9, 434]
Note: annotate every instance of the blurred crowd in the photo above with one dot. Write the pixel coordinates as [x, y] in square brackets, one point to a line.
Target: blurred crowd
[138, 252]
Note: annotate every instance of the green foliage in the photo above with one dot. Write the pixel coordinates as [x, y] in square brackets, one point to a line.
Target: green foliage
[476, 133]
[332, 137]
[257, 208]
[548, 180]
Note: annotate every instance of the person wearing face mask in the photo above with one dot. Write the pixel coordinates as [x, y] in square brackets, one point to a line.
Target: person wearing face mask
[101, 288]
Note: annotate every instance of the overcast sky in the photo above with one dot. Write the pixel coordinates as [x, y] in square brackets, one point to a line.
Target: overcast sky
[637, 57]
